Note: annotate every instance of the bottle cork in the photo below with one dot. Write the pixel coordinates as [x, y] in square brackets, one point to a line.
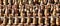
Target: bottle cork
[49, 4]
[37, 7]
[20, 6]
[20, 3]
[57, 8]
[24, 1]
[5, 2]
[53, 17]
[35, 1]
[56, 1]
[52, 7]
[31, 8]
[30, 1]
[10, 4]
[41, 3]
[9, 1]
[45, 1]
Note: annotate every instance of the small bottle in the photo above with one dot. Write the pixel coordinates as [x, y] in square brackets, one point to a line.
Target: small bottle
[57, 8]
[20, 6]
[57, 20]
[16, 20]
[7, 12]
[30, 1]
[22, 18]
[4, 21]
[49, 4]
[10, 20]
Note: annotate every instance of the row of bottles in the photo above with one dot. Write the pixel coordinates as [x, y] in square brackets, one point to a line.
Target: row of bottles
[46, 12]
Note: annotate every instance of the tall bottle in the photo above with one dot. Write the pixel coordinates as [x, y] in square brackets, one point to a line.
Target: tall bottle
[10, 6]
[34, 18]
[57, 14]
[15, 7]
[52, 18]
[46, 16]
[53, 15]
[6, 11]
[28, 19]
[40, 19]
